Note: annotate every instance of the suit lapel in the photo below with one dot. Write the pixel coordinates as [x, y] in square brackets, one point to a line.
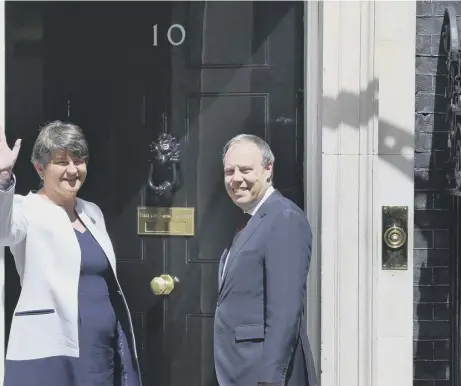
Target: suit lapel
[221, 266]
[240, 241]
[245, 235]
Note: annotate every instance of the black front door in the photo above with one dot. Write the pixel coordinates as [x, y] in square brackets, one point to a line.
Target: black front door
[117, 70]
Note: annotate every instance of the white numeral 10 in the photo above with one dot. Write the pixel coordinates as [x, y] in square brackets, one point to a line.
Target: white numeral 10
[181, 28]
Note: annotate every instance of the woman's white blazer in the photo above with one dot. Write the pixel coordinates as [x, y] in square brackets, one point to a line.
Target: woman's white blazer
[47, 257]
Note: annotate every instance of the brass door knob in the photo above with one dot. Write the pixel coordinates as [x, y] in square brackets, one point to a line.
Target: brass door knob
[395, 237]
[163, 284]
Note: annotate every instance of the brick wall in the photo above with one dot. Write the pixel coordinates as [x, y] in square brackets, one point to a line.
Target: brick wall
[432, 324]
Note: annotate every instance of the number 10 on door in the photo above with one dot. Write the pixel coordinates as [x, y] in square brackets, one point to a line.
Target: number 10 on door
[168, 35]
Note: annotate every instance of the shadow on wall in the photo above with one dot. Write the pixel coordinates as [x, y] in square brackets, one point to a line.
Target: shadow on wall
[432, 329]
[395, 141]
[432, 218]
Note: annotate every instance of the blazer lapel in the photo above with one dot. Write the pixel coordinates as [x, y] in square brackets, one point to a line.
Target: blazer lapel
[240, 241]
[100, 237]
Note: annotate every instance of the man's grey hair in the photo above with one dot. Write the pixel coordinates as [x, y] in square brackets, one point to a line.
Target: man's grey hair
[59, 135]
[266, 152]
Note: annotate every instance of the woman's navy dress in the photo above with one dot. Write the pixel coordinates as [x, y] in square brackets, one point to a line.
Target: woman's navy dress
[97, 332]
[97, 321]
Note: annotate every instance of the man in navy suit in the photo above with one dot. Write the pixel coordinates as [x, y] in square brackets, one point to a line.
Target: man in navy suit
[260, 334]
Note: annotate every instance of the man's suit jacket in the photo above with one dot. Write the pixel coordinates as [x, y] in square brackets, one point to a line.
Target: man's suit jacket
[47, 256]
[260, 331]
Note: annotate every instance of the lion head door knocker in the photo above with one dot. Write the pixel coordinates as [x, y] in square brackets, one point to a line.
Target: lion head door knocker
[164, 152]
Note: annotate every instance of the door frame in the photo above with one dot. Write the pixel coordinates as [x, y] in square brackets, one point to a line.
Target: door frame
[313, 166]
[366, 103]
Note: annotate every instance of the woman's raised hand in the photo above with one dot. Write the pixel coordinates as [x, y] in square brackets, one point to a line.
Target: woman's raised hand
[8, 156]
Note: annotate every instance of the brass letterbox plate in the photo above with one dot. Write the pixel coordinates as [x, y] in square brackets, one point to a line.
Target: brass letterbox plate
[158, 221]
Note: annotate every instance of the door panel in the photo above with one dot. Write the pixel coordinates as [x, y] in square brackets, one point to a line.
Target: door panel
[99, 70]
[239, 70]
[238, 73]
